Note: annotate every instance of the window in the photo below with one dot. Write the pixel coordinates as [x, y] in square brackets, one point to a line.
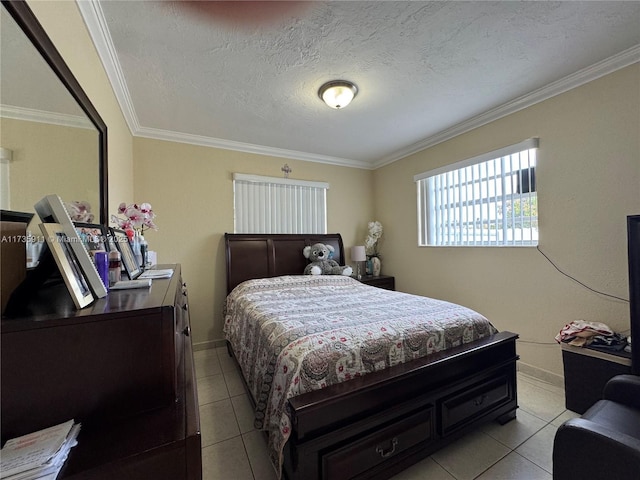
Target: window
[278, 205]
[486, 200]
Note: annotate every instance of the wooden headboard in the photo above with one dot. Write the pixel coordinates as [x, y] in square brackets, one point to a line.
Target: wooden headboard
[252, 256]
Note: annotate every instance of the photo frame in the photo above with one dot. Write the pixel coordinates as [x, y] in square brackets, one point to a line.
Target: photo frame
[60, 246]
[51, 210]
[121, 241]
[93, 236]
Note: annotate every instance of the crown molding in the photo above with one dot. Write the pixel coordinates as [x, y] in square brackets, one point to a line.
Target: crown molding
[581, 77]
[96, 24]
[41, 116]
[203, 141]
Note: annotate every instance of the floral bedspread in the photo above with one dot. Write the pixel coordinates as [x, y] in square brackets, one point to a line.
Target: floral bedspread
[294, 334]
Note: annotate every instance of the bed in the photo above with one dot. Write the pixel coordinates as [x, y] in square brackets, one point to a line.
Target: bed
[410, 388]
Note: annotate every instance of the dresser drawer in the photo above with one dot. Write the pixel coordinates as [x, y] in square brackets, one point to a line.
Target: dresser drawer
[473, 401]
[366, 452]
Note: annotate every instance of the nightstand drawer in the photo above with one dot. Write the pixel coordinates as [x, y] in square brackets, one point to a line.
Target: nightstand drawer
[383, 281]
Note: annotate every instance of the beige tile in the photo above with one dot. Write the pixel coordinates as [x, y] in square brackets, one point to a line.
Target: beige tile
[235, 383]
[523, 377]
[217, 422]
[471, 455]
[538, 401]
[539, 448]
[226, 461]
[226, 361]
[424, 469]
[563, 417]
[212, 389]
[244, 412]
[517, 431]
[515, 467]
[206, 362]
[256, 445]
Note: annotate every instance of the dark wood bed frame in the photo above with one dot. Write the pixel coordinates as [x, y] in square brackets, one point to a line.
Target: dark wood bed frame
[377, 425]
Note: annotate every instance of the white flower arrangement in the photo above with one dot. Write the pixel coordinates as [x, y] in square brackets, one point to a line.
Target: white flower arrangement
[137, 217]
[371, 242]
[79, 211]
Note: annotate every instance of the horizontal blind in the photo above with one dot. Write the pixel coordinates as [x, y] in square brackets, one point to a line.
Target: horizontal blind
[279, 205]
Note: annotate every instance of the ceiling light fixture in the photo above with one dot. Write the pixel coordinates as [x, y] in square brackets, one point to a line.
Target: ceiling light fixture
[337, 93]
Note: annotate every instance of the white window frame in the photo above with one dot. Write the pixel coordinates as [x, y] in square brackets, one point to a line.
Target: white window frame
[473, 202]
[278, 205]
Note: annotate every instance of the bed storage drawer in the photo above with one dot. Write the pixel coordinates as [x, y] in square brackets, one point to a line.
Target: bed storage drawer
[366, 452]
[471, 402]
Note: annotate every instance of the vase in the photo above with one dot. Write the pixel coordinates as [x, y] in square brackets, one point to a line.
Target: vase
[368, 266]
[144, 253]
[375, 266]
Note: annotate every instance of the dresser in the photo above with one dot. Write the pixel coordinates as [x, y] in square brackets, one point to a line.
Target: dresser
[122, 367]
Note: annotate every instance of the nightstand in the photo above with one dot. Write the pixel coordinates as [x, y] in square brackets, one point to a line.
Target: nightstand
[382, 281]
[586, 371]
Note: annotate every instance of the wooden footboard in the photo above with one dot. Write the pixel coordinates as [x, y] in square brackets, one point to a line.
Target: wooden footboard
[379, 424]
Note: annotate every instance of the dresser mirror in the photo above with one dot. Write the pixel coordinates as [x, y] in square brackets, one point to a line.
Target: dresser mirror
[51, 137]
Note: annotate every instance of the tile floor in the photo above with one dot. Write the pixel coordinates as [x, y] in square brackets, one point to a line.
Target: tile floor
[520, 450]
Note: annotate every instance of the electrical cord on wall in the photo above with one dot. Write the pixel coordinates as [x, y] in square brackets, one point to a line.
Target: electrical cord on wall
[578, 281]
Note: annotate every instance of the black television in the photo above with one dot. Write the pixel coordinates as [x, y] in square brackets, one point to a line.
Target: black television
[633, 233]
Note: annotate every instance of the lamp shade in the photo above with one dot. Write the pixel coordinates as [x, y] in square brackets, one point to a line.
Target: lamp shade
[337, 93]
[358, 254]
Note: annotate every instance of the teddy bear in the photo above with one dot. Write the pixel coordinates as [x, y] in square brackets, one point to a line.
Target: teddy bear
[321, 263]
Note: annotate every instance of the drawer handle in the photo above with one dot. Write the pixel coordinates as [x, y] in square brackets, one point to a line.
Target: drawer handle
[187, 331]
[391, 451]
[185, 307]
[479, 400]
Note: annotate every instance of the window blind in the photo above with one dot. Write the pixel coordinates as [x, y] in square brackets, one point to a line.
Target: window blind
[486, 200]
[279, 205]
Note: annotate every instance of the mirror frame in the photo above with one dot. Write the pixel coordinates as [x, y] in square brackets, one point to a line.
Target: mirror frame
[34, 31]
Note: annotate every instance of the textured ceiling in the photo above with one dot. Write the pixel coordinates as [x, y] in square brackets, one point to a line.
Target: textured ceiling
[247, 79]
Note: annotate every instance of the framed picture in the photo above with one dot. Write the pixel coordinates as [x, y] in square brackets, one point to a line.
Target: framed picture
[93, 236]
[51, 210]
[60, 246]
[121, 241]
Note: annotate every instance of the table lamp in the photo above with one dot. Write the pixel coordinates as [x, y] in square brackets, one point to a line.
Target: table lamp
[358, 255]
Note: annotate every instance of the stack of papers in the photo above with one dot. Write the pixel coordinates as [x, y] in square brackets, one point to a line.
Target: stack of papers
[39, 454]
[157, 273]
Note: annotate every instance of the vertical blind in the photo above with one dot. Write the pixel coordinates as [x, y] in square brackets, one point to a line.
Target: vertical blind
[486, 200]
[278, 205]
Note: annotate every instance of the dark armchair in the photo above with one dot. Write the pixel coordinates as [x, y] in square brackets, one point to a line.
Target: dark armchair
[605, 442]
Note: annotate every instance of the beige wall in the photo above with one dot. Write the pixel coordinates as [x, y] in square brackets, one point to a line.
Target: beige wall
[38, 151]
[64, 25]
[191, 191]
[588, 179]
